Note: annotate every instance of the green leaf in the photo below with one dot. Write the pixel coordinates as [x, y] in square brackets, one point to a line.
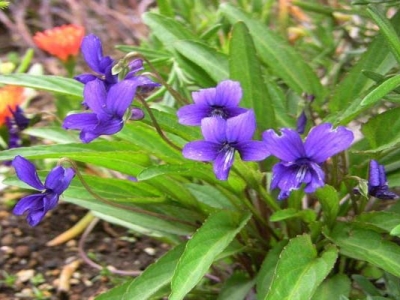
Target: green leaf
[387, 30]
[167, 30]
[55, 134]
[195, 169]
[214, 63]
[283, 60]
[245, 67]
[328, 197]
[384, 221]
[146, 224]
[383, 131]
[49, 83]
[118, 156]
[377, 58]
[165, 8]
[380, 91]
[307, 215]
[210, 196]
[333, 288]
[300, 271]
[145, 137]
[264, 277]
[154, 278]
[367, 245]
[201, 250]
[236, 287]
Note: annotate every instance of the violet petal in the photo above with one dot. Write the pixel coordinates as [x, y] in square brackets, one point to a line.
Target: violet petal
[201, 150]
[26, 172]
[323, 141]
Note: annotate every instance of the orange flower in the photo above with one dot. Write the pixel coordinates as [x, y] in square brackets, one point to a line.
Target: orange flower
[62, 42]
[10, 97]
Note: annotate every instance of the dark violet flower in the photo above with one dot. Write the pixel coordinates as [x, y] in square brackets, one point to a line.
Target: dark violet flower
[92, 51]
[222, 138]
[15, 124]
[377, 183]
[108, 109]
[301, 123]
[300, 162]
[37, 205]
[221, 101]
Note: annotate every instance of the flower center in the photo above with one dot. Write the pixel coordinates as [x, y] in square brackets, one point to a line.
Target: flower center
[218, 111]
[303, 164]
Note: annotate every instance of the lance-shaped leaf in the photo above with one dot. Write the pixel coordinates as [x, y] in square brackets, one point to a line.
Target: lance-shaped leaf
[334, 288]
[244, 66]
[152, 280]
[367, 245]
[300, 271]
[49, 83]
[279, 55]
[203, 248]
[212, 62]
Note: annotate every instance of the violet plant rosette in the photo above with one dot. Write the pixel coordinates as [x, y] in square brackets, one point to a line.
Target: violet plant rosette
[222, 138]
[37, 205]
[221, 101]
[301, 161]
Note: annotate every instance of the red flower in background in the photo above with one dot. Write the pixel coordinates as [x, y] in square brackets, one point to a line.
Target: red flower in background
[10, 97]
[62, 41]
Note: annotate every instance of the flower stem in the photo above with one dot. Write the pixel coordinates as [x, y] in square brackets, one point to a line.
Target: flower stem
[157, 126]
[174, 93]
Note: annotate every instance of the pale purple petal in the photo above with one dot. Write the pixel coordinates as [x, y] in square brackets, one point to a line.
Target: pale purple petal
[92, 52]
[201, 150]
[192, 114]
[252, 151]
[323, 141]
[374, 174]
[26, 172]
[204, 96]
[95, 96]
[81, 121]
[228, 93]
[214, 130]
[317, 178]
[136, 65]
[104, 127]
[241, 128]
[120, 97]
[287, 147]
[50, 201]
[223, 163]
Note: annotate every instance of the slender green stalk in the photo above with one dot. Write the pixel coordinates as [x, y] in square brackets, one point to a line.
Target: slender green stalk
[157, 126]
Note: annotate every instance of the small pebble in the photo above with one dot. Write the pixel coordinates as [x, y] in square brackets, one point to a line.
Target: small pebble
[7, 240]
[25, 275]
[22, 251]
[150, 251]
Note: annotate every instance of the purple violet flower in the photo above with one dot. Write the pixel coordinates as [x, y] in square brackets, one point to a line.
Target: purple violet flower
[300, 162]
[92, 51]
[15, 125]
[301, 123]
[37, 205]
[222, 138]
[221, 101]
[108, 109]
[377, 182]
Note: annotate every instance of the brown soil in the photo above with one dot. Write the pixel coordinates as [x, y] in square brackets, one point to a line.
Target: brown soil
[31, 270]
